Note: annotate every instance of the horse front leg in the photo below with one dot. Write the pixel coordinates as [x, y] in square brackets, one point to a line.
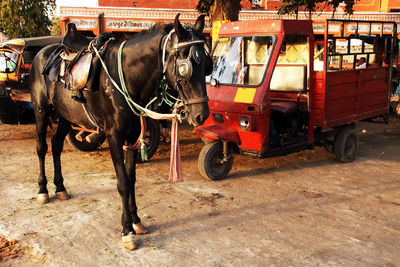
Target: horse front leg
[130, 163]
[42, 121]
[124, 185]
[57, 144]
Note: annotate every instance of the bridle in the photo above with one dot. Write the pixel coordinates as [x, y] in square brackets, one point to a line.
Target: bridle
[138, 109]
[183, 68]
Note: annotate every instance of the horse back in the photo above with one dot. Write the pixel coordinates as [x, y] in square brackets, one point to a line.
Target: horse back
[45, 93]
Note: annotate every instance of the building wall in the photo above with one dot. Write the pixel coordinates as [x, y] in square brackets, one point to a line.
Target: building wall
[187, 4]
[368, 5]
[390, 6]
[121, 17]
[377, 5]
[359, 6]
[271, 5]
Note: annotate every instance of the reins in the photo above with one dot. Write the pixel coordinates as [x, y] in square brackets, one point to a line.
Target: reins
[175, 166]
[141, 111]
[144, 111]
[124, 91]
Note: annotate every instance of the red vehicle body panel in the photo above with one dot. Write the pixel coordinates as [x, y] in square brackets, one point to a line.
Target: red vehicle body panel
[218, 132]
[222, 97]
[348, 96]
[332, 99]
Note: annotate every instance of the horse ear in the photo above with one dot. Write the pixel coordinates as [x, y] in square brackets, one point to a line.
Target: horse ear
[179, 30]
[199, 26]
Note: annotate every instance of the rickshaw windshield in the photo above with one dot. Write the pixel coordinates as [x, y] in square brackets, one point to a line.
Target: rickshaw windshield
[242, 60]
[8, 60]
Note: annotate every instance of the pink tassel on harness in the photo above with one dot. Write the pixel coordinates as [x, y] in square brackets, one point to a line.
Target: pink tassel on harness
[175, 168]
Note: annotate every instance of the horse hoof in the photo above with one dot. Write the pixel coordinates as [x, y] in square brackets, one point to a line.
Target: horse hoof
[128, 241]
[139, 229]
[63, 195]
[43, 198]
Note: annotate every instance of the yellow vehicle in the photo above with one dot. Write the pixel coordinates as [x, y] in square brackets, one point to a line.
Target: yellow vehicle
[10, 59]
[15, 62]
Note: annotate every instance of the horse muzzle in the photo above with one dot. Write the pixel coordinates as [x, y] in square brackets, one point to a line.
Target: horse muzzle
[198, 114]
[201, 118]
[195, 110]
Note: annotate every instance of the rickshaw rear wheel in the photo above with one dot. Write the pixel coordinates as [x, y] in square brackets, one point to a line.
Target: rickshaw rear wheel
[346, 145]
[211, 161]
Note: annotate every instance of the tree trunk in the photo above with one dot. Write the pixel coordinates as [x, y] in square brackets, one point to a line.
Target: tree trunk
[225, 10]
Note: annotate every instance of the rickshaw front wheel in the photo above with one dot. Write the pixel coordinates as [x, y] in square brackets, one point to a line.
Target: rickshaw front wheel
[212, 162]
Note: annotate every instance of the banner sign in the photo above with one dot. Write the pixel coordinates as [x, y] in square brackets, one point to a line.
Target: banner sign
[83, 24]
[127, 24]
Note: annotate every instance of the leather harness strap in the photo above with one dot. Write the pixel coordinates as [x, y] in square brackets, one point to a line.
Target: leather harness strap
[197, 100]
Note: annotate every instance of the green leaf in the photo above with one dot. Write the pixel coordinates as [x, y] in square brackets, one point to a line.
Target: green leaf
[26, 18]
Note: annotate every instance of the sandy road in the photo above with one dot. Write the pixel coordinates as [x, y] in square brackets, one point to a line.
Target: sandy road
[305, 209]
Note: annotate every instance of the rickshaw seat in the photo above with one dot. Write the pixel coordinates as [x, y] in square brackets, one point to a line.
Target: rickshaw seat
[285, 108]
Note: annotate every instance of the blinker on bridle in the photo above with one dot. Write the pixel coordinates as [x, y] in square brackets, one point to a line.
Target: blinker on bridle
[183, 68]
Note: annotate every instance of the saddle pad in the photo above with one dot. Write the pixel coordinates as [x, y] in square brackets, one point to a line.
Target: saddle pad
[68, 56]
[80, 72]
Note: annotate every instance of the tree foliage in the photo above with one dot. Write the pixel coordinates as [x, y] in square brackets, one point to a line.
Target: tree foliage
[220, 9]
[294, 6]
[55, 29]
[229, 9]
[26, 18]
[348, 8]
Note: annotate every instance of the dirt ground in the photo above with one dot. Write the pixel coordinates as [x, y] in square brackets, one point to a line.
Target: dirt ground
[305, 209]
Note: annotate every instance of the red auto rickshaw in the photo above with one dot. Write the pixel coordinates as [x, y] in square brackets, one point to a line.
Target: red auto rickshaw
[282, 86]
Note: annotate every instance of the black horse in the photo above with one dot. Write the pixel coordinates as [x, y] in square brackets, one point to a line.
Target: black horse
[165, 49]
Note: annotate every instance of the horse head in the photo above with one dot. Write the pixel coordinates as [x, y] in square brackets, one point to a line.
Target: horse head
[186, 67]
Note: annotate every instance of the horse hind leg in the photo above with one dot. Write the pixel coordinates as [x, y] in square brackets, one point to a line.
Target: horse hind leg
[57, 143]
[42, 121]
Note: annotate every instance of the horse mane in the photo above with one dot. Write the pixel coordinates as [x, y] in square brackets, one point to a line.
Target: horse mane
[157, 30]
[150, 41]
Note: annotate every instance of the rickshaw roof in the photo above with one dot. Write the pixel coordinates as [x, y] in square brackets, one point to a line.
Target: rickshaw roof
[42, 40]
[267, 26]
[33, 41]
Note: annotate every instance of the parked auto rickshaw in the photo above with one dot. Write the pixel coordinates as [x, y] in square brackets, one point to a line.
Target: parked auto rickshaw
[16, 56]
[280, 86]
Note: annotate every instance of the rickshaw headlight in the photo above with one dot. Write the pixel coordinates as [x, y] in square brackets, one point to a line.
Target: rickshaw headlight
[213, 82]
[244, 123]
